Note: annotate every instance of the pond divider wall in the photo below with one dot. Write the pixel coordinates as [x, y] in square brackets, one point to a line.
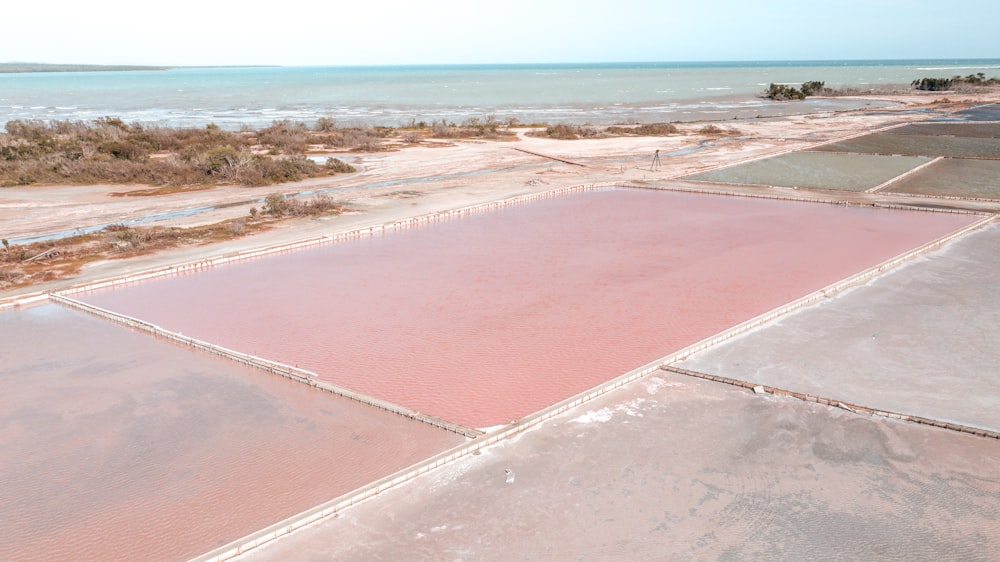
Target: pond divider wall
[856, 408]
[23, 300]
[294, 373]
[891, 181]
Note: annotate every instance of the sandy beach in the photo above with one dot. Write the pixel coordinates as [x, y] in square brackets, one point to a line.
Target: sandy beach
[440, 175]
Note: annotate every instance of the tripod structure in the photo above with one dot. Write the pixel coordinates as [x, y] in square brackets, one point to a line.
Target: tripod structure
[656, 161]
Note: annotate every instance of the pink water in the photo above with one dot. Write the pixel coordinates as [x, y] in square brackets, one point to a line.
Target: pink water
[485, 319]
[117, 446]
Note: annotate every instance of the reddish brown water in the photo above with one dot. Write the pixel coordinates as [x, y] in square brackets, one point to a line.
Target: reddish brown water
[118, 446]
[485, 319]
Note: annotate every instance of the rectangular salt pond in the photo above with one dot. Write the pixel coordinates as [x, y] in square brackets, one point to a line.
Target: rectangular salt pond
[953, 177]
[489, 317]
[817, 170]
[918, 145]
[115, 445]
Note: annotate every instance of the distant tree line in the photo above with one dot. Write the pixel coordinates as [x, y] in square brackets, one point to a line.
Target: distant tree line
[942, 84]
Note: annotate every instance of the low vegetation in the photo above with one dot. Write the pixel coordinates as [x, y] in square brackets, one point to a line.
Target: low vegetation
[26, 264]
[171, 160]
[111, 151]
[573, 132]
[472, 128]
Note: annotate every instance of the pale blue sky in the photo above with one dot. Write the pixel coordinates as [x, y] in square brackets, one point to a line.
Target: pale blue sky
[329, 32]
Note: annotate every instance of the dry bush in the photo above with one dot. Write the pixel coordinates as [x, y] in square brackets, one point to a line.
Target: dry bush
[355, 138]
[473, 127]
[568, 132]
[715, 130]
[285, 137]
[236, 227]
[645, 130]
[338, 166]
[277, 205]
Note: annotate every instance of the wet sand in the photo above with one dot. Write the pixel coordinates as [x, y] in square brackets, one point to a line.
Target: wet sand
[679, 468]
[487, 318]
[118, 446]
[954, 177]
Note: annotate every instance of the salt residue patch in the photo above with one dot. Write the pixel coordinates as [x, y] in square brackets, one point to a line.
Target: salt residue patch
[654, 384]
[602, 415]
[605, 414]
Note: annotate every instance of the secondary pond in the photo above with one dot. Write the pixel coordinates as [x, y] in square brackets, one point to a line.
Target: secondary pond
[489, 317]
[954, 177]
[818, 170]
[115, 445]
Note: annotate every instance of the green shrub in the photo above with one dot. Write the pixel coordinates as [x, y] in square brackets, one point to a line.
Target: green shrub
[933, 84]
[781, 92]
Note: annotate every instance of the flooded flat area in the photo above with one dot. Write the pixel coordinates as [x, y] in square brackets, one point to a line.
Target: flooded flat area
[674, 468]
[921, 340]
[115, 445]
[817, 170]
[487, 318]
[990, 112]
[918, 145]
[953, 177]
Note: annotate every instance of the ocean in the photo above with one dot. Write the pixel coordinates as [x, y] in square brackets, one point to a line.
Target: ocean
[236, 97]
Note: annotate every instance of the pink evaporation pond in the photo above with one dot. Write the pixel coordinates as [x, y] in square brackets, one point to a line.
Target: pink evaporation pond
[487, 318]
[117, 446]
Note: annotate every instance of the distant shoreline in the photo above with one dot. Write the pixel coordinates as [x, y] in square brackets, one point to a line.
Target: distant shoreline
[28, 67]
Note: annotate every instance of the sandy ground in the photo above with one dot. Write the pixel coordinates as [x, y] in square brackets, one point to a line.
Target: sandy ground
[675, 468]
[437, 176]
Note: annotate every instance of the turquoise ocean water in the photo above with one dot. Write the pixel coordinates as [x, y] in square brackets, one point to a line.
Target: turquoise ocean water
[582, 93]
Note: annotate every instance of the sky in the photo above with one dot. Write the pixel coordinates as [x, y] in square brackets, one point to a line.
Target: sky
[387, 32]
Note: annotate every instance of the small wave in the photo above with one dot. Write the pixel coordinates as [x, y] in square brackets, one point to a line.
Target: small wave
[991, 67]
